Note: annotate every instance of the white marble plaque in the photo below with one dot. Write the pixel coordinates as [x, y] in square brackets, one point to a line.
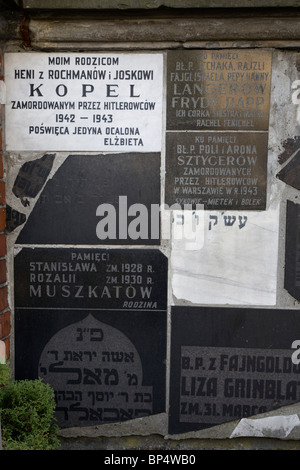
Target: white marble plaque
[83, 101]
[237, 263]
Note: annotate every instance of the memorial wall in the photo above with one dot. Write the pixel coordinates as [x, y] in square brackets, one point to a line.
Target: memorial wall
[153, 217]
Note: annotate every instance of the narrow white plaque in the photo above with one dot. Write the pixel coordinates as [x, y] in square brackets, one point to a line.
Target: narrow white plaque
[84, 101]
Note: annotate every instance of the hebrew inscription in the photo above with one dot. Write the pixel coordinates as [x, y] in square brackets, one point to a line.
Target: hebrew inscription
[85, 185]
[235, 264]
[101, 279]
[97, 362]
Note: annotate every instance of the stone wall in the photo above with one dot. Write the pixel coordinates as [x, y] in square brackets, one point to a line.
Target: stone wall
[166, 337]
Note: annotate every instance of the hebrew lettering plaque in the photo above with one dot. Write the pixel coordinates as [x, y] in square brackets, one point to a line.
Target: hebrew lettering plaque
[292, 250]
[83, 101]
[223, 367]
[227, 92]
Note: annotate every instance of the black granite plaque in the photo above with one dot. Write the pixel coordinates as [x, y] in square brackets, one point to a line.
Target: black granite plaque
[98, 199]
[221, 171]
[92, 324]
[101, 279]
[218, 89]
[104, 367]
[292, 250]
[13, 218]
[231, 363]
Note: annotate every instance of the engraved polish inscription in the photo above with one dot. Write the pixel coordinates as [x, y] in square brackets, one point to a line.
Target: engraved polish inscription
[221, 90]
[96, 362]
[66, 209]
[225, 96]
[225, 367]
[219, 170]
